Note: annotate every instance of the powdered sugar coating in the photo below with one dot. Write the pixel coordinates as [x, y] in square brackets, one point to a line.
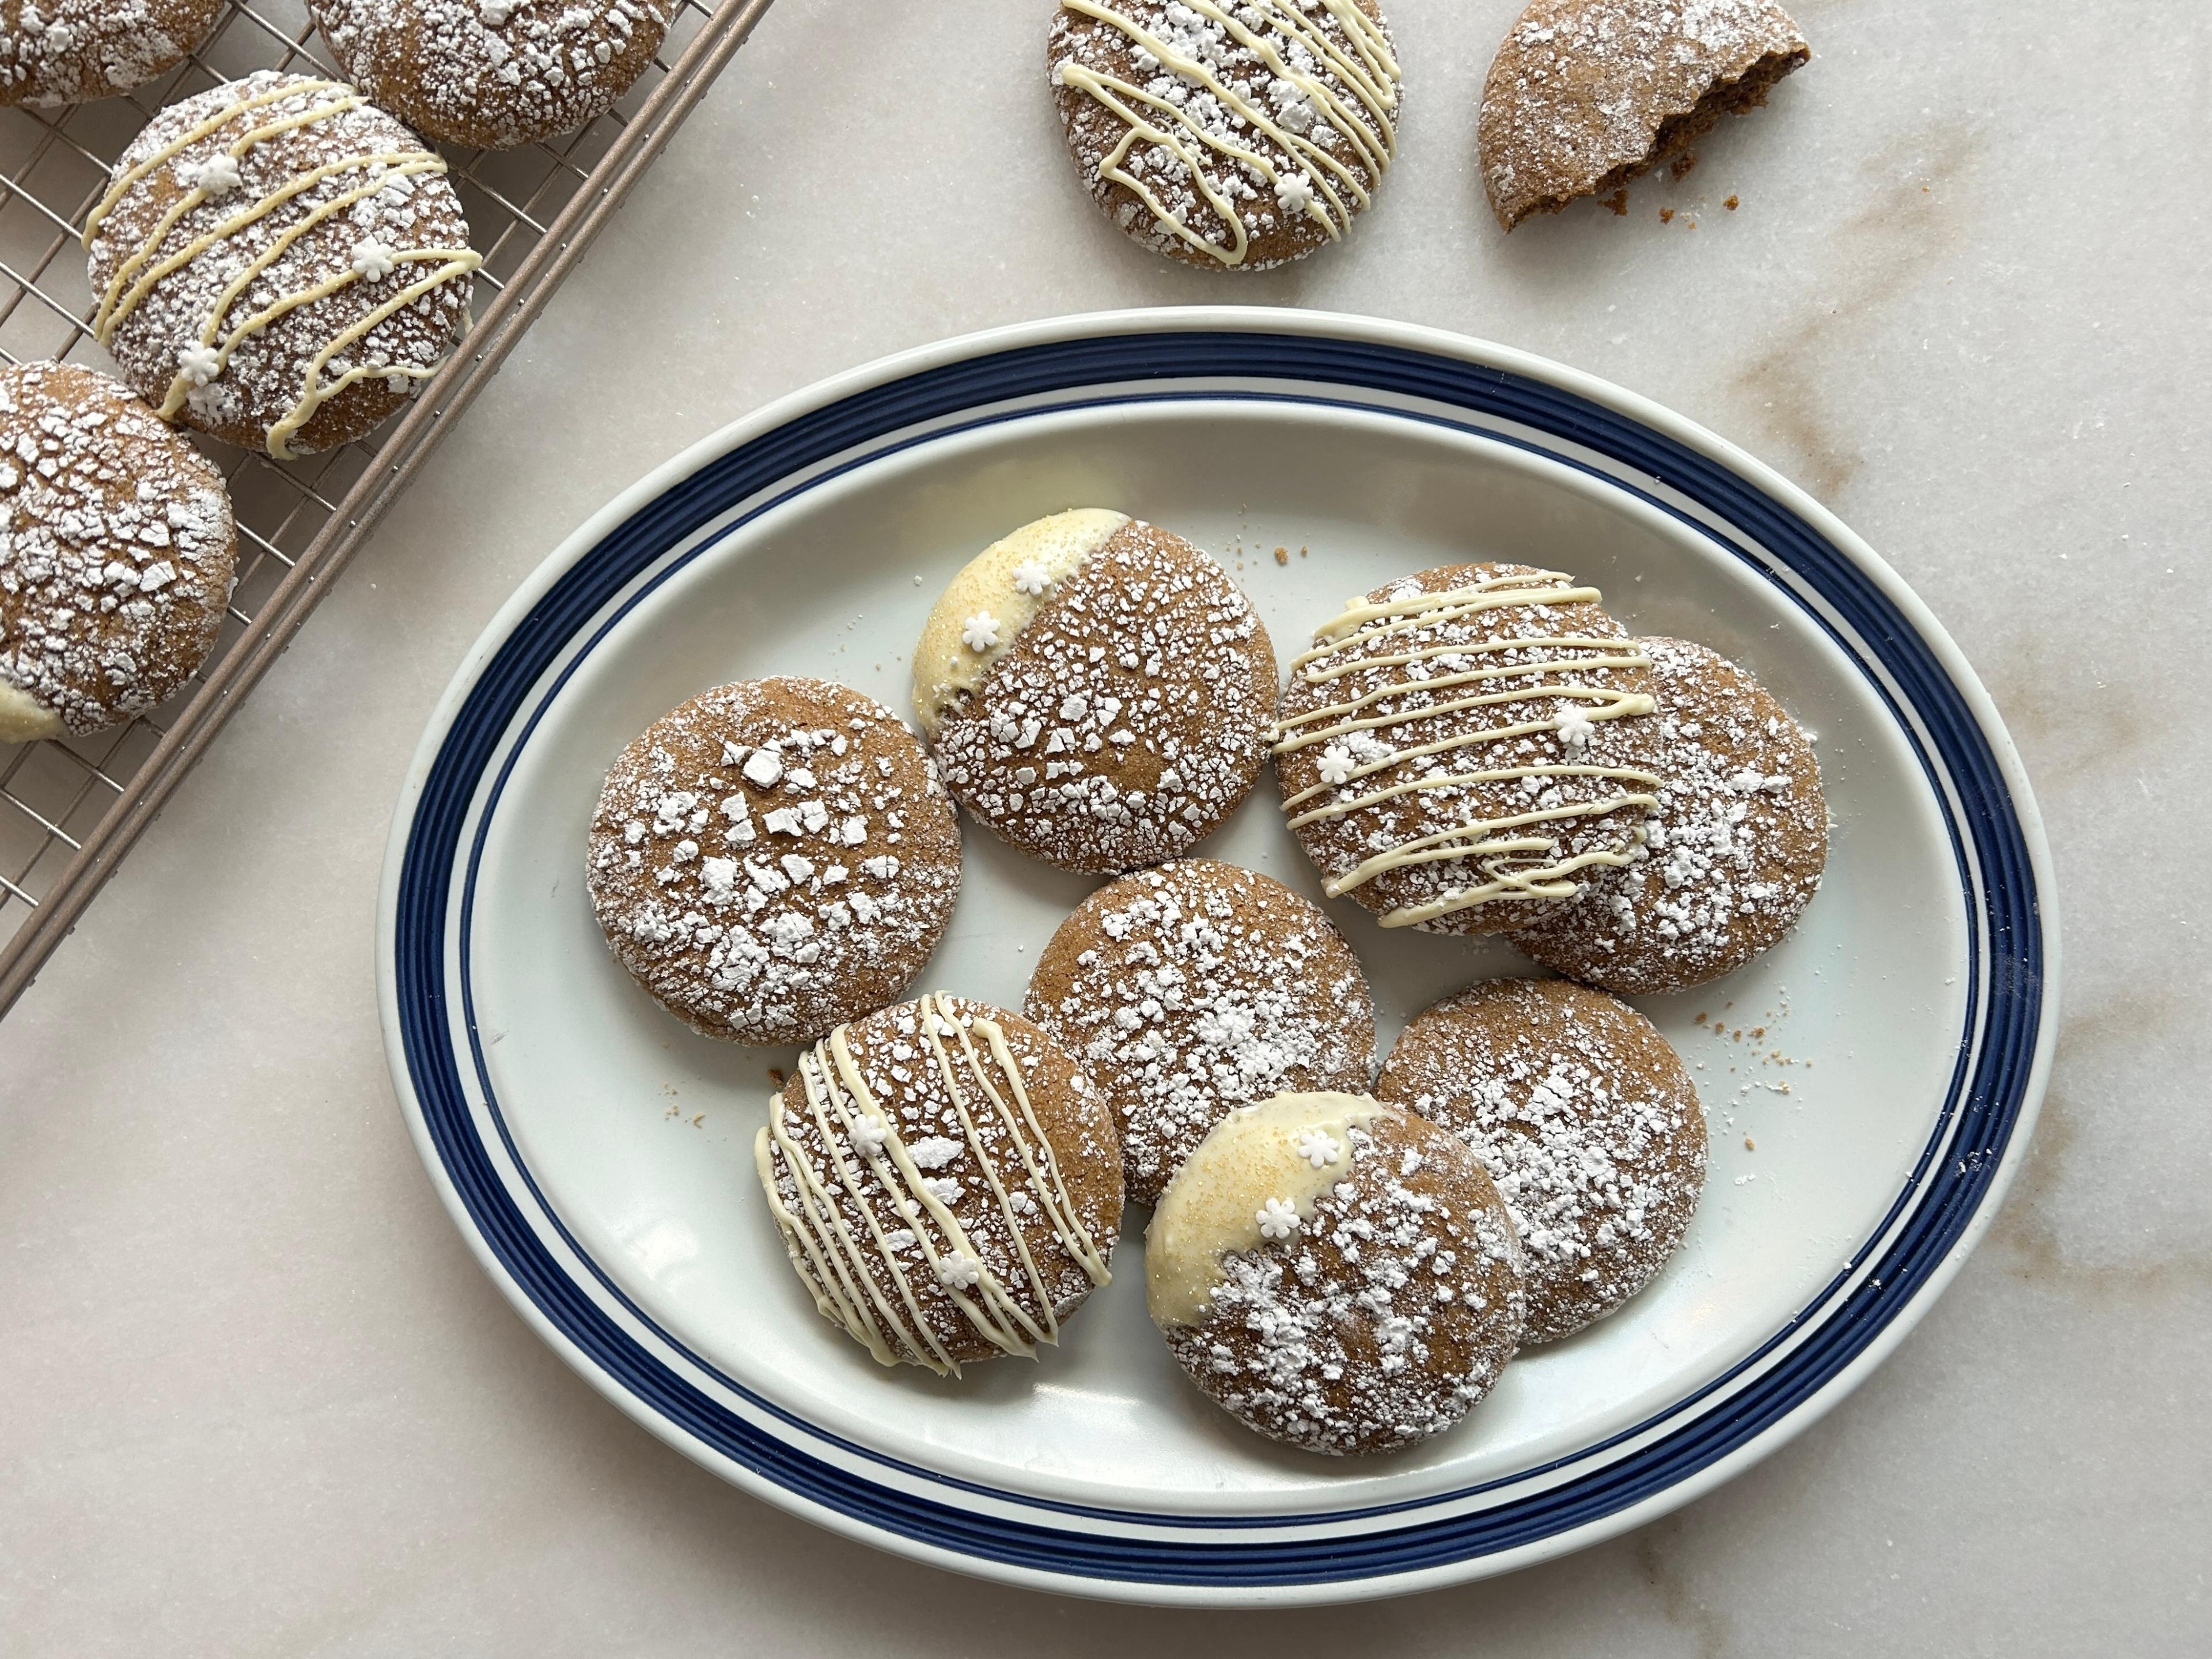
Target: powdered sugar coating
[72, 52]
[1423, 771]
[117, 550]
[984, 1164]
[774, 857]
[1194, 989]
[495, 73]
[1731, 856]
[1585, 1118]
[1384, 1318]
[1585, 95]
[167, 278]
[1277, 116]
[1126, 720]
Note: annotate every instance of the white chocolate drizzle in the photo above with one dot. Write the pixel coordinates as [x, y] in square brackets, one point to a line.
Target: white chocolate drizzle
[1333, 192]
[1516, 857]
[858, 1278]
[129, 289]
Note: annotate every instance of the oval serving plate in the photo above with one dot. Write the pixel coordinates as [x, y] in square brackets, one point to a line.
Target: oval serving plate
[1870, 1085]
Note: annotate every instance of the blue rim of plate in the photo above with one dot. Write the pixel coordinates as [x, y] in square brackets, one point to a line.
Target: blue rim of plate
[1991, 1089]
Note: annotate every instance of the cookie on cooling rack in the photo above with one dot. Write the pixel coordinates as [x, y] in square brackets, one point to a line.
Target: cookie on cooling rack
[774, 857]
[72, 52]
[1339, 1274]
[1098, 691]
[1230, 134]
[1195, 988]
[1587, 94]
[117, 553]
[1463, 749]
[1586, 1119]
[946, 1183]
[280, 263]
[494, 74]
[1731, 856]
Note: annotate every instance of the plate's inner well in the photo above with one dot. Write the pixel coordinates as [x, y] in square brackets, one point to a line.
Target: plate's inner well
[1822, 1067]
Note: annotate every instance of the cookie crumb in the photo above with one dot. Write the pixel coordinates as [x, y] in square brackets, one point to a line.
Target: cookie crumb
[1732, 203]
[1619, 202]
[776, 1076]
[1282, 555]
[1666, 215]
[1749, 1144]
[1680, 165]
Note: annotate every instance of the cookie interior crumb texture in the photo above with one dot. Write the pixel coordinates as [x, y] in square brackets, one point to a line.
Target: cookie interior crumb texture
[774, 857]
[1101, 692]
[1338, 1273]
[1196, 988]
[1462, 748]
[1230, 134]
[1731, 856]
[1586, 1119]
[946, 1183]
[117, 554]
[494, 74]
[1587, 94]
[280, 263]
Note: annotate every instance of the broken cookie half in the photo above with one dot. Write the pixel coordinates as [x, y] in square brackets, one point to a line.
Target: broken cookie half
[1586, 94]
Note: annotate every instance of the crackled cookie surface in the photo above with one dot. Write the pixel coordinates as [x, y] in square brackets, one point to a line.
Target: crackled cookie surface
[1338, 1273]
[946, 1183]
[72, 52]
[1230, 134]
[1585, 1118]
[1196, 988]
[1732, 854]
[280, 263]
[117, 553]
[1098, 691]
[494, 74]
[1463, 748]
[774, 857]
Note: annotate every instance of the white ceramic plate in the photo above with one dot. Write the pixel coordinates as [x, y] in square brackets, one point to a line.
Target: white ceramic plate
[1885, 1061]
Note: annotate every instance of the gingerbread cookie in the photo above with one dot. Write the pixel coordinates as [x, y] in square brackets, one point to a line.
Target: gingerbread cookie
[774, 857]
[946, 1183]
[1339, 1274]
[1098, 691]
[280, 263]
[1586, 94]
[1464, 748]
[117, 554]
[1230, 134]
[493, 74]
[72, 52]
[1731, 856]
[1194, 988]
[1586, 1120]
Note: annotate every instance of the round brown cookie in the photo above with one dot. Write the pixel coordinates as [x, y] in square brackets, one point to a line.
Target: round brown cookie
[1197, 987]
[1586, 1120]
[72, 52]
[1730, 857]
[773, 857]
[493, 74]
[1236, 134]
[1586, 94]
[1463, 747]
[946, 1183]
[1338, 1273]
[117, 554]
[279, 263]
[1098, 691]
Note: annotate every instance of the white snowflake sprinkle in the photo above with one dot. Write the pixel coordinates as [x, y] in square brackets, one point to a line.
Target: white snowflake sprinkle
[1576, 727]
[979, 632]
[1319, 1148]
[199, 363]
[1278, 1219]
[869, 1135]
[959, 1271]
[218, 176]
[1294, 190]
[374, 261]
[1336, 764]
[1031, 579]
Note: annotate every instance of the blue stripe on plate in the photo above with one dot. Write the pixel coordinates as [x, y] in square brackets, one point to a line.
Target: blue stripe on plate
[1942, 1199]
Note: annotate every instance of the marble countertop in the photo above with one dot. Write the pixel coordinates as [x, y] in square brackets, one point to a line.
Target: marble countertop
[257, 1398]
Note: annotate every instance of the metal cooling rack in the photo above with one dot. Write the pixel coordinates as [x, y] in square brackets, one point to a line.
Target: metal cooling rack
[71, 808]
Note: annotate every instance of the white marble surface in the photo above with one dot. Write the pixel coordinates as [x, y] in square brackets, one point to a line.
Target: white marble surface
[256, 1399]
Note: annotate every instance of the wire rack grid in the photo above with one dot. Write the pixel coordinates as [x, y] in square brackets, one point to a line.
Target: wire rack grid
[70, 808]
